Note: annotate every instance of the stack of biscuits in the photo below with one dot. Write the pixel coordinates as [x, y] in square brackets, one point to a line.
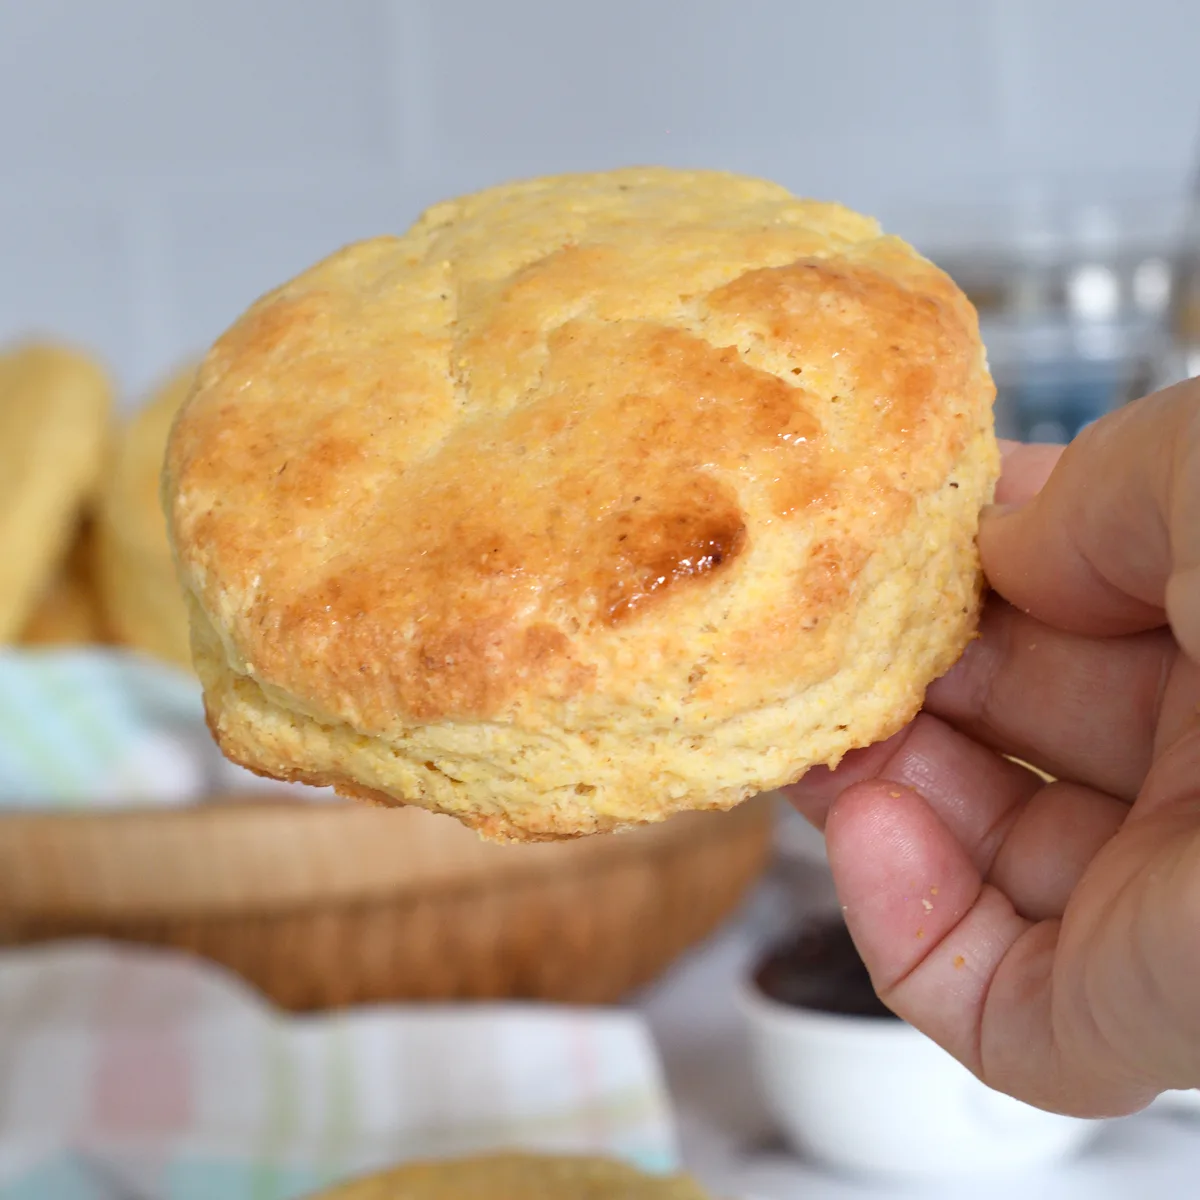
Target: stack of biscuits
[84, 557]
[55, 414]
[134, 571]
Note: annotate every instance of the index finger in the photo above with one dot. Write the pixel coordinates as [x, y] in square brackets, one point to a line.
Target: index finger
[1093, 552]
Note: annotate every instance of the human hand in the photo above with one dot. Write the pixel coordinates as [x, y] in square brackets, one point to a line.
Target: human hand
[1048, 935]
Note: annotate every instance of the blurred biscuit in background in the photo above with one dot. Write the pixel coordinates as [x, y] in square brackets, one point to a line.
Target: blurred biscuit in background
[517, 1177]
[55, 406]
[140, 598]
[68, 611]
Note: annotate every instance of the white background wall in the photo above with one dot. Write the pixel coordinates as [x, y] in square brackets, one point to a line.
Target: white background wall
[164, 161]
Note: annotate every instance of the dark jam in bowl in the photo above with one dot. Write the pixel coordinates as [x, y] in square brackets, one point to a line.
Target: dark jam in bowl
[820, 969]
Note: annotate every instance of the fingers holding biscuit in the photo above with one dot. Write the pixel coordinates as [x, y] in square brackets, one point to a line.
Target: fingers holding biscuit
[951, 952]
[1080, 708]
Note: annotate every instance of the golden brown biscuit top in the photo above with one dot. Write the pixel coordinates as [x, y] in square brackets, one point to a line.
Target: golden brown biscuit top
[536, 447]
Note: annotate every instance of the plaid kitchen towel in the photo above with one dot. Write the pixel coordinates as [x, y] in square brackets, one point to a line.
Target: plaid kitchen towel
[146, 1075]
[108, 728]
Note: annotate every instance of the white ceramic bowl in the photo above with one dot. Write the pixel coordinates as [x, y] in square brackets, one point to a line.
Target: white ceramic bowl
[870, 1095]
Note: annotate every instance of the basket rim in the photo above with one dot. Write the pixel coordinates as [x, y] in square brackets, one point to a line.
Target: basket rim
[264, 857]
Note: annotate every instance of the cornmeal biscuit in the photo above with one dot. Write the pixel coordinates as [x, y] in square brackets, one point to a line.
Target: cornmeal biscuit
[68, 611]
[517, 1177]
[588, 500]
[139, 589]
[54, 411]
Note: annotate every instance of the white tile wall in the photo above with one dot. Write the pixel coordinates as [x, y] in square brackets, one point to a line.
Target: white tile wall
[64, 270]
[1099, 84]
[163, 163]
[228, 245]
[143, 86]
[532, 85]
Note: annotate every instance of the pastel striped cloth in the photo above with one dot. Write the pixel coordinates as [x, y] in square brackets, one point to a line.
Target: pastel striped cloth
[129, 1074]
[106, 729]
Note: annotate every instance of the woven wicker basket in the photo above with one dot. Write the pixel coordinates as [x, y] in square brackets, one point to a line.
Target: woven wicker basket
[334, 905]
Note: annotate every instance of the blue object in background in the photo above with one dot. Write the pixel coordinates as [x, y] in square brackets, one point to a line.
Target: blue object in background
[1053, 402]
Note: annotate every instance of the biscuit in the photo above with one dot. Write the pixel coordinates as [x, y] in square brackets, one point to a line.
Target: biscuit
[517, 1177]
[68, 612]
[54, 411]
[140, 594]
[588, 500]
